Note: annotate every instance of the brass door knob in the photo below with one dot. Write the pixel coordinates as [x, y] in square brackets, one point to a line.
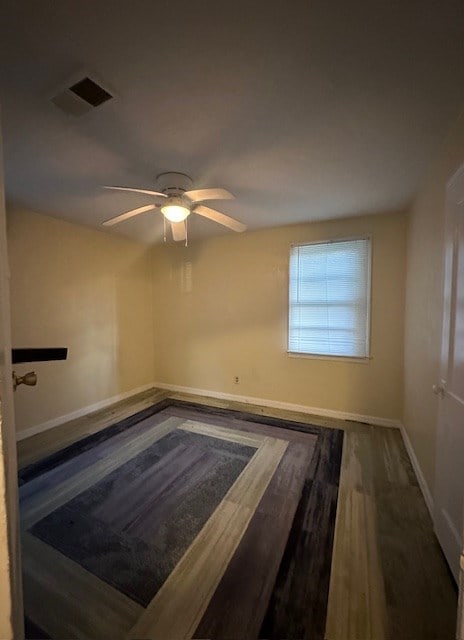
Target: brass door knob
[439, 390]
[29, 379]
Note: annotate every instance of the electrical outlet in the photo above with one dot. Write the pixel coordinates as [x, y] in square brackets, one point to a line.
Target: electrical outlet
[236, 380]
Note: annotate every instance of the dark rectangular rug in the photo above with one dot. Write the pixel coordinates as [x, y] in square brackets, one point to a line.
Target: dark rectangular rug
[153, 495]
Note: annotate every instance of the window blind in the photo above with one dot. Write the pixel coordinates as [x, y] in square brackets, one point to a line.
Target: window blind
[329, 298]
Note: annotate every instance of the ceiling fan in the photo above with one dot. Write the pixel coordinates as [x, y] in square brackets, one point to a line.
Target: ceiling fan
[177, 200]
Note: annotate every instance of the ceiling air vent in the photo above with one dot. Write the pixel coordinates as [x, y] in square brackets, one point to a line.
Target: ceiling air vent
[81, 97]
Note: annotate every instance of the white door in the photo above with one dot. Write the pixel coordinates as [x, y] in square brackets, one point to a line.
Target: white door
[11, 608]
[449, 482]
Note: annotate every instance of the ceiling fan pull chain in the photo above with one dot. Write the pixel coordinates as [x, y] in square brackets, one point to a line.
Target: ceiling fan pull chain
[186, 233]
[164, 229]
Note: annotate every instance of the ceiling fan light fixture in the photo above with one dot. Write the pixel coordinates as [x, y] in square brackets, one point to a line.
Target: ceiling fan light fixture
[175, 212]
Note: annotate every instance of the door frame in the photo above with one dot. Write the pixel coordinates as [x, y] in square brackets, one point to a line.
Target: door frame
[11, 600]
[454, 200]
[450, 539]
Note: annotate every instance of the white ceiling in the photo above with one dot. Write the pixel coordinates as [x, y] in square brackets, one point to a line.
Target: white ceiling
[305, 110]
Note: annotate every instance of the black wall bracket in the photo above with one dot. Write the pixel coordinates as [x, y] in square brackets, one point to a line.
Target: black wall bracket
[38, 355]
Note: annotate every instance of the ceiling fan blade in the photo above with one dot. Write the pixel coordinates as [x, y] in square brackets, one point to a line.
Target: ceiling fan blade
[128, 214]
[198, 195]
[220, 218]
[147, 191]
[179, 231]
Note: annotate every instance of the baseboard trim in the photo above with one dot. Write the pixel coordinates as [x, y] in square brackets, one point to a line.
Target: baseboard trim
[418, 471]
[275, 404]
[102, 404]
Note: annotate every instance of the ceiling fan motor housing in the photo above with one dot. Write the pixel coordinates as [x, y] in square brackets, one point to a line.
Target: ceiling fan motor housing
[174, 184]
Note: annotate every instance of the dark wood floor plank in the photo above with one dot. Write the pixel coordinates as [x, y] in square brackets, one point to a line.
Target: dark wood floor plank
[289, 478]
[390, 462]
[406, 541]
[239, 604]
[298, 605]
[33, 632]
[240, 601]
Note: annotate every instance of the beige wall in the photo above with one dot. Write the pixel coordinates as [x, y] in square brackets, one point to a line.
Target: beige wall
[86, 290]
[424, 302]
[116, 304]
[234, 320]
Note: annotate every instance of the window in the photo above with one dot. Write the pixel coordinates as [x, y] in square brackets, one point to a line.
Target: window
[329, 298]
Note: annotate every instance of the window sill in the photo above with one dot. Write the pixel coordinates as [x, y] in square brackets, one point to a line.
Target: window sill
[313, 356]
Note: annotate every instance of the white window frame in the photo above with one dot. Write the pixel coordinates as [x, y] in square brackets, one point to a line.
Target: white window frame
[318, 356]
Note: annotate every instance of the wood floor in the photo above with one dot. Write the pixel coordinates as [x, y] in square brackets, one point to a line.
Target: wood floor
[389, 579]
